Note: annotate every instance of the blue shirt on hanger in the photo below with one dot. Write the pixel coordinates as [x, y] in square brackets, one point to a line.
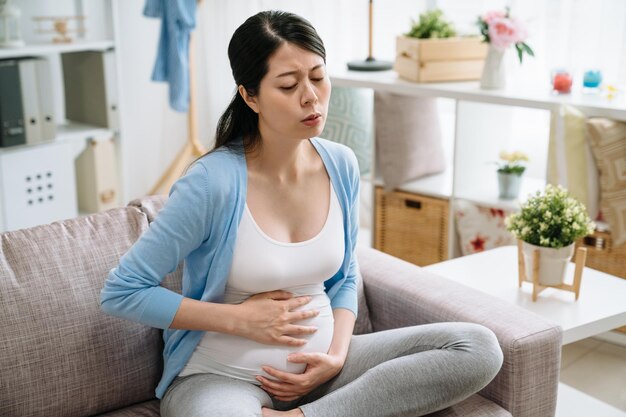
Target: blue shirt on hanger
[172, 63]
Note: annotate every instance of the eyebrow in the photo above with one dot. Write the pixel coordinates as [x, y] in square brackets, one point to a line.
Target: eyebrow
[284, 74]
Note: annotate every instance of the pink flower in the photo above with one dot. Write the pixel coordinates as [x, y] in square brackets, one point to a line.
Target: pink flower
[503, 32]
[489, 16]
[522, 33]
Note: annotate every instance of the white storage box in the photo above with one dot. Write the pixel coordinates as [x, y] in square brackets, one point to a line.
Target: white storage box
[96, 179]
[37, 185]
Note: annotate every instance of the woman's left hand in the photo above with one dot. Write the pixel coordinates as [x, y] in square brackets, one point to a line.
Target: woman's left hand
[321, 367]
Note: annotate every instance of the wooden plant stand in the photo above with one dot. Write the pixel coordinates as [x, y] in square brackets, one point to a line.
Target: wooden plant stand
[580, 258]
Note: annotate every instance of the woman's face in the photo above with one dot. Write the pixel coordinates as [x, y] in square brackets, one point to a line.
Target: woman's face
[292, 100]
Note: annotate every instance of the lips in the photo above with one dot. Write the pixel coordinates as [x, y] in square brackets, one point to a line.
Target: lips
[311, 117]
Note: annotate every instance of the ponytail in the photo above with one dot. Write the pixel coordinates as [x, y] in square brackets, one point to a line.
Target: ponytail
[238, 120]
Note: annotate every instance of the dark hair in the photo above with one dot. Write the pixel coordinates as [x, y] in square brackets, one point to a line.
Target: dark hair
[249, 50]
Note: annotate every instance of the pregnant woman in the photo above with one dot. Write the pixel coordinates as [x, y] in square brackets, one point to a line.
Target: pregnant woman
[267, 224]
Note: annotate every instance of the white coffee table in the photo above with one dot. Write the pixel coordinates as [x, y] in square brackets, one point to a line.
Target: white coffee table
[601, 307]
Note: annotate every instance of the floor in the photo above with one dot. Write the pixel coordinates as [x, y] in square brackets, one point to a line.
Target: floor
[598, 369]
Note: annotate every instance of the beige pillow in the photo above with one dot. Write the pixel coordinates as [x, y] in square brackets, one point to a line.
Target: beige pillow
[608, 144]
[570, 161]
[408, 138]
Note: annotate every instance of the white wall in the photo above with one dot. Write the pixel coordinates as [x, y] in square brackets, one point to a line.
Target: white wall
[152, 133]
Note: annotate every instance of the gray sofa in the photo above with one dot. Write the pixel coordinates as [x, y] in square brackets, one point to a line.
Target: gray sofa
[61, 356]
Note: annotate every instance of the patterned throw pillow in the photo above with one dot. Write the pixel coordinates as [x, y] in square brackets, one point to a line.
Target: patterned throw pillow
[349, 121]
[480, 228]
[608, 143]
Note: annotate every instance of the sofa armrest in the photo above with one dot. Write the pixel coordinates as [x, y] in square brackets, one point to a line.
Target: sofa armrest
[401, 294]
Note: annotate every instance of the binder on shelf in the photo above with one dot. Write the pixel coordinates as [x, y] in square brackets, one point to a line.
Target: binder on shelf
[30, 100]
[12, 131]
[90, 88]
[46, 99]
[96, 177]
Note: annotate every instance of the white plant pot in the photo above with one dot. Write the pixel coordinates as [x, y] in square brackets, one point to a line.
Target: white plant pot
[494, 75]
[552, 263]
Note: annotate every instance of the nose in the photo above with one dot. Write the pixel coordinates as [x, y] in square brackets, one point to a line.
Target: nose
[308, 95]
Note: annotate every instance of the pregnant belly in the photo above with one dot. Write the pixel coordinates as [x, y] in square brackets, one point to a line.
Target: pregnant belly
[243, 358]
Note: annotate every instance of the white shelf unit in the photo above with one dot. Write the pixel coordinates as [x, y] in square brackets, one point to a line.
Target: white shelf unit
[479, 116]
[44, 49]
[71, 137]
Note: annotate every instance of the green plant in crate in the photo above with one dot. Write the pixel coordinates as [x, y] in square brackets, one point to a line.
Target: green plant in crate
[431, 24]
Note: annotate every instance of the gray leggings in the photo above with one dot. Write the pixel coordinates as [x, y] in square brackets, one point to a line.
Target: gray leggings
[411, 371]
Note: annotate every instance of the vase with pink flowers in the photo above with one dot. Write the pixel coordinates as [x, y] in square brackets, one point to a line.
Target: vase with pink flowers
[501, 31]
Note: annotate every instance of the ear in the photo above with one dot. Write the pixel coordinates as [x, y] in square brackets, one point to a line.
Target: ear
[250, 100]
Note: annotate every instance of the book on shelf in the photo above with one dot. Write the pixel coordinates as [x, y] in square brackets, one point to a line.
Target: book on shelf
[46, 99]
[30, 100]
[11, 110]
[90, 88]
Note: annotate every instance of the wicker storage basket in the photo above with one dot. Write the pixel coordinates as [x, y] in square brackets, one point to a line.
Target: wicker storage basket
[411, 226]
[603, 256]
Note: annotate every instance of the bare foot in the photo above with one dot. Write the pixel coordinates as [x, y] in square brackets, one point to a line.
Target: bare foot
[268, 412]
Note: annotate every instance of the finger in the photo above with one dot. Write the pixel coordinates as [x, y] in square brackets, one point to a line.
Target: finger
[282, 376]
[301, 357]
[291, 341]
[296, 330]
[286, 396]
[299, 301]
[280, 392]
[281, 387]
[302, 315]
[278, 295]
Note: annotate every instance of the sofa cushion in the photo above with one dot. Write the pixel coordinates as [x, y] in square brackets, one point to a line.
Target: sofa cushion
[60, 355]
[147, 409]
[151, 205]
[474, 406]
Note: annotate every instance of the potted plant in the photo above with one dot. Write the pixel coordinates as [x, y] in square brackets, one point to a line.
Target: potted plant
[500, 31]
[510, 170]
[550, 222]
[432, 51]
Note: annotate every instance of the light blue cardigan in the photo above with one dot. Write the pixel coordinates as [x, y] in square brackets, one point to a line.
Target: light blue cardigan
[199, 224]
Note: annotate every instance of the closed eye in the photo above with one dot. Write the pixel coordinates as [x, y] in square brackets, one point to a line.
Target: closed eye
[289, 87]
[317, 79]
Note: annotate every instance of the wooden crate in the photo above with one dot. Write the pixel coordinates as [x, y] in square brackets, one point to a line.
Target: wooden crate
[412, 227]
[603, 256]
[451, 59]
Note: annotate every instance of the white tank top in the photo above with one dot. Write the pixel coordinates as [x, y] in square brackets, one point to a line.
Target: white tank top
[261, 264]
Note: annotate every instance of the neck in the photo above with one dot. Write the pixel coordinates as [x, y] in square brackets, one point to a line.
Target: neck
[279, 159]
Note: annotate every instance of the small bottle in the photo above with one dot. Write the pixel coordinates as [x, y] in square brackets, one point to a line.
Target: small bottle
[591, 81]
[561, 81]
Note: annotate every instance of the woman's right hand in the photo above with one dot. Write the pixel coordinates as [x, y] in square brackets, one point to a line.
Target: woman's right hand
[269, 318]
